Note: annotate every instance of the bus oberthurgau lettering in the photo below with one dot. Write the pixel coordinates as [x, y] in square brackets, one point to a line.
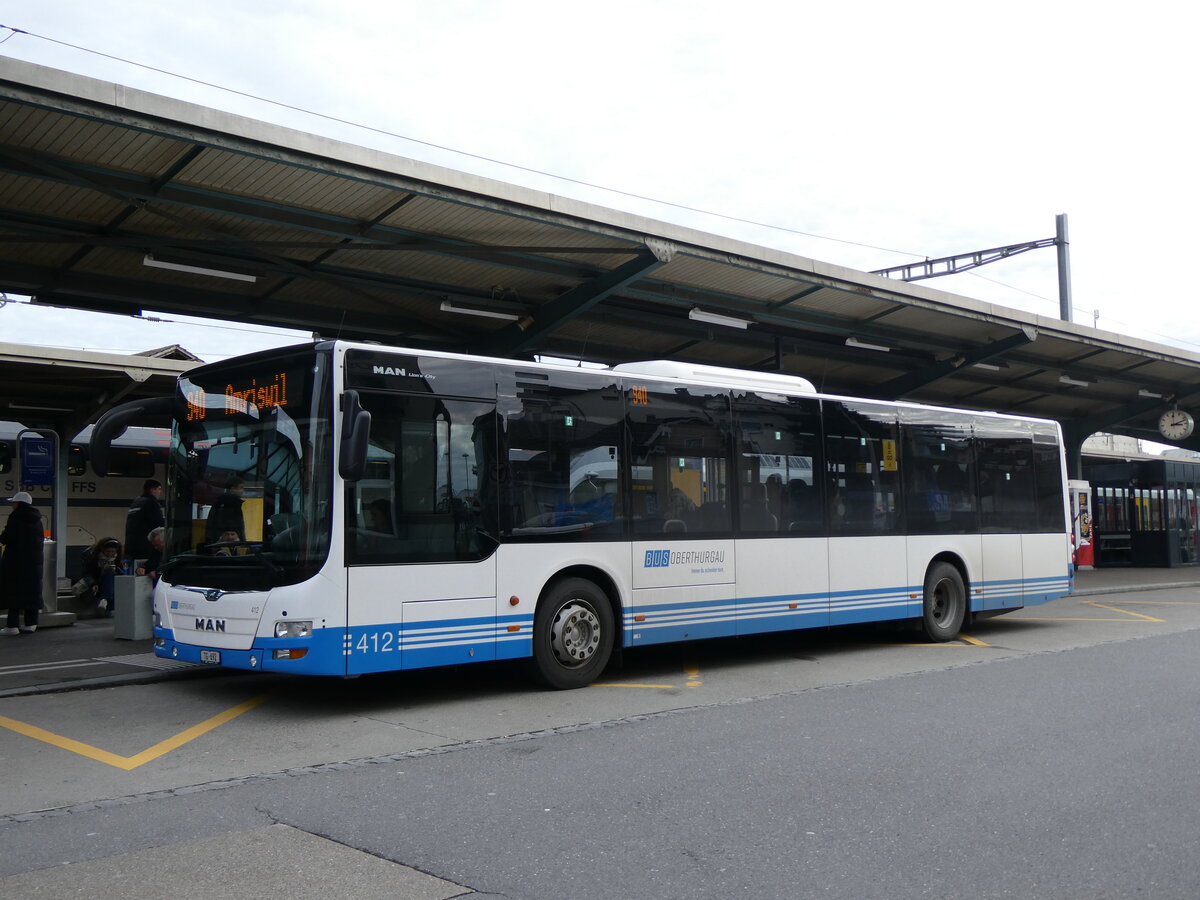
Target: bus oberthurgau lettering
[657, 559]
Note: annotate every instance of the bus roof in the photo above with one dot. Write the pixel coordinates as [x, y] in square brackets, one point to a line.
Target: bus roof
[669, 368]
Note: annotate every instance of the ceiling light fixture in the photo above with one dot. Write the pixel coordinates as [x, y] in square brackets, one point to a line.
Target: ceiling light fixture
[991, 367]
[1074, 382]
[449, 307]
[1142, 392]
[699, 315]
[852, 341]
[158, 263]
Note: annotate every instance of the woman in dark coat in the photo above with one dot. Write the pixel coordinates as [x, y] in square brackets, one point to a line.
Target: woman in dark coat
[21, 565]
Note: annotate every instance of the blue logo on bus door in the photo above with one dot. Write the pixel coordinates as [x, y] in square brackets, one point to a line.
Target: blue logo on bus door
[657, 559]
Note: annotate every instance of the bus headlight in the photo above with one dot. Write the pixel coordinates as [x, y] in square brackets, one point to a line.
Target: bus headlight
[293, 629]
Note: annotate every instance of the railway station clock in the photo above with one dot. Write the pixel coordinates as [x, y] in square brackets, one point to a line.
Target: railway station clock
[1175, 425]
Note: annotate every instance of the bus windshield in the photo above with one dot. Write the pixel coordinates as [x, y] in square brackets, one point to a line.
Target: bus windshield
[249, 474]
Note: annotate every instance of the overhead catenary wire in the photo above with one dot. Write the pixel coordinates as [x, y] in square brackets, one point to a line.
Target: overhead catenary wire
[465, 153]
[1131, 329]
[14, 31]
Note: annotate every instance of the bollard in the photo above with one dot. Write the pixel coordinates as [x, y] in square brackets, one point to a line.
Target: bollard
[133, 620]
[50, 577]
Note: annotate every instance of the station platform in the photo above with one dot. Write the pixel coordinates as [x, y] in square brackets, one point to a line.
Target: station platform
[82, 654]
[85, 653]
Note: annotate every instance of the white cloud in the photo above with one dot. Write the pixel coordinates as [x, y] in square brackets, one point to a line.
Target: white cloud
[928, 127]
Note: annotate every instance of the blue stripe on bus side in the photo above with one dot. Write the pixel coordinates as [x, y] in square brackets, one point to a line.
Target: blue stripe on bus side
[1013, 593]
[680, 621]
[448, 642]
[757, 615]
[714, 618]
[873, 605]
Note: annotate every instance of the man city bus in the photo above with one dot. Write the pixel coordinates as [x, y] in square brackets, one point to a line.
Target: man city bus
[401, 509]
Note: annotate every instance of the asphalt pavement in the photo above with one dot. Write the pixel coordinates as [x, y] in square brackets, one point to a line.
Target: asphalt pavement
[1055, 766]
[87, 654]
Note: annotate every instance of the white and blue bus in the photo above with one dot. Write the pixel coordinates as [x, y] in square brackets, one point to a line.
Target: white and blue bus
[398, 509]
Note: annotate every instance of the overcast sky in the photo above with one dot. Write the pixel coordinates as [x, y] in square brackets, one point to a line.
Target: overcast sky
[894, 131]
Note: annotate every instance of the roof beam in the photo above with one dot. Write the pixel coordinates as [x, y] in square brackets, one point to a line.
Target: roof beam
[1115, 415]
[534, 329]
[142, 192]
[789, 316]
[129, 297]
[913, 381]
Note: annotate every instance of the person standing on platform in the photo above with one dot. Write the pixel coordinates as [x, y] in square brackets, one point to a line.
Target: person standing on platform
[144, 515]
[21, 565]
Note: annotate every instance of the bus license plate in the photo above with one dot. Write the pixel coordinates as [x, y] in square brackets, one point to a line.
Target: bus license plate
[212, 657]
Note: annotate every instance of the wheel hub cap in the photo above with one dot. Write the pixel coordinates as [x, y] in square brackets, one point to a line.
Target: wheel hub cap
[575, 634]
[942, 607]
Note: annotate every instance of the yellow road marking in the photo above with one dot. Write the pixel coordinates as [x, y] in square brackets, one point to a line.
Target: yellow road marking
[975, 642]
[1119, 610]
[1132, 616]
[128, 763]
[628, 685]
[692, 670]
[1159, 602]
[1011, 619]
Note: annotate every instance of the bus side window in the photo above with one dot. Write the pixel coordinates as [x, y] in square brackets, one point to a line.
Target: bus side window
[77, 461]
[562, 447]
[862, 469]
[6, 457]
[1007, 498]
[683, 461]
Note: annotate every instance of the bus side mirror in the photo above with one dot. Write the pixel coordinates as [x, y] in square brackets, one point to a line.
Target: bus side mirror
[356, 436]
[113, 423]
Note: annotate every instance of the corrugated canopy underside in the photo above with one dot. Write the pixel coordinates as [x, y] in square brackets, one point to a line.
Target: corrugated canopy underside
[97, 180]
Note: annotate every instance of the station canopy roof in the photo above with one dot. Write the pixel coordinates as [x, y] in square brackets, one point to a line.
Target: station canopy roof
[44, 387]
[118, 200]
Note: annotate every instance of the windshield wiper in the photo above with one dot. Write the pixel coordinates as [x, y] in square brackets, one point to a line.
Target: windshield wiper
[178, 560]
[226, 561]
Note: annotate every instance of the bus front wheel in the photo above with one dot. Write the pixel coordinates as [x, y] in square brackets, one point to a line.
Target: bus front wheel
[573, 634]
[945, 605]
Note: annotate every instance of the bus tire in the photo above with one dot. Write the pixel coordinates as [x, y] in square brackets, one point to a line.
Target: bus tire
[945, 603]
[573, 634]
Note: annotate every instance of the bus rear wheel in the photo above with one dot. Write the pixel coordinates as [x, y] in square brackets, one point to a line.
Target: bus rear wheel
[945, 604]
[573, 635]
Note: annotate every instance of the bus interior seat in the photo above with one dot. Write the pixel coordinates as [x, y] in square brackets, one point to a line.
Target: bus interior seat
[804, 509]
[756, 515]
[713, 516]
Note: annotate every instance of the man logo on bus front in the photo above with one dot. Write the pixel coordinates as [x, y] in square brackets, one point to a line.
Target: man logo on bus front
[213, 594]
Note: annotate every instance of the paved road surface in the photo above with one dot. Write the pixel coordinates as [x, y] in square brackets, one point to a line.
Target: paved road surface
[1055, 758]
